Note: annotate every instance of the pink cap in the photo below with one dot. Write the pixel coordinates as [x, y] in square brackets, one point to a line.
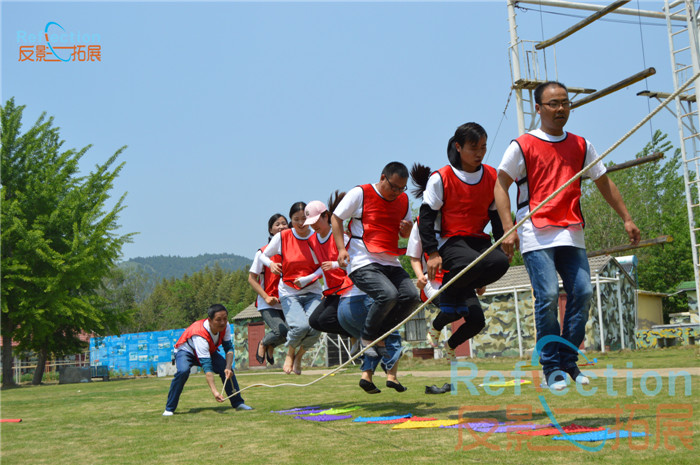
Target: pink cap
[313, 211]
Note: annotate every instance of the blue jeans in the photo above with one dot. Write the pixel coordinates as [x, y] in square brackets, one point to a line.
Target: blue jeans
[352, 312]
[274, 319]
[572, 265]
[184, 361]
[297, 310]
[394, 294]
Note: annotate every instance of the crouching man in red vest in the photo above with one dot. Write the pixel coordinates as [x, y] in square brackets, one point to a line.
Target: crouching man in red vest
[198, 346]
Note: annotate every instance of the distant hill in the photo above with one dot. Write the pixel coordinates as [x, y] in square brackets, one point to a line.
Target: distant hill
[161, 266]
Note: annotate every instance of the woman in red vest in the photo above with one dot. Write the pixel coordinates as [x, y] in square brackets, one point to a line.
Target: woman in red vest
[458, 203]
[336, 280]
[299, 289]
[266, 283]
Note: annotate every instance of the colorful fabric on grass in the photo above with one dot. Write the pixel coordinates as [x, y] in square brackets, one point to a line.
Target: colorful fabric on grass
[377, 419]
[510, 383]
[336, 411]
[314, 411]
[572, 428]
[485, 427]
[600, 436]
[401, 420]
[296, 409]
[323, 417]
[425, 424]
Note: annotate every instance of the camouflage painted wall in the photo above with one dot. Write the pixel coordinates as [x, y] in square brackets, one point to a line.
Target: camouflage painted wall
[610, 310]
[500, 337]
[647, 338]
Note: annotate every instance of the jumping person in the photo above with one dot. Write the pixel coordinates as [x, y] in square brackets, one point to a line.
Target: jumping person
[552, 240]
[353, 307]
[265, 283]
[379, 214]
[198, 346]
[336, 280]
[458, 202]
[300, 291]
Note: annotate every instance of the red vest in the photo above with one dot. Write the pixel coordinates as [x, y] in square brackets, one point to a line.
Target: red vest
[297, 260]
[465, 208]
[269, 280]
[381, 220]
[549, 165]
[197, 329]
[337, 280]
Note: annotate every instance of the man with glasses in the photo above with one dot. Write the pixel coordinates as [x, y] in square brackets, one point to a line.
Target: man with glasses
[552, 240]
[378, 213]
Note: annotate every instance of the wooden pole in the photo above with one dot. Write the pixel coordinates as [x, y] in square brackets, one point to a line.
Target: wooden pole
[614, 88]
[581, 24]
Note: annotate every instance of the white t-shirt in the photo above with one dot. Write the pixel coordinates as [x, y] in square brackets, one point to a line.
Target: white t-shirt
[275, 248]
[200, 345]
[414, 249]
[258, 268]
[433, 196]
[531, 238]
[351, 207]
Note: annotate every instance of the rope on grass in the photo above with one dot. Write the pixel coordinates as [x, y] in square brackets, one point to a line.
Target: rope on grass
[495, 244]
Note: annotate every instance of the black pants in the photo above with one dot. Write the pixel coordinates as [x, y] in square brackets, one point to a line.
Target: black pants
[457, 253]
[474, 322]
[325, 317]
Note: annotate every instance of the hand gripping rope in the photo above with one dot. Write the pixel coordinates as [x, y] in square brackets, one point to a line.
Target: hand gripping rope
[497, 243]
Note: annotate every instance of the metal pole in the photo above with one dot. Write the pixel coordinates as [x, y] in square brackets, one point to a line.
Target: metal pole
[591, 7]
[517, 322]
[515, 63]
[600, 313]
[619, 309]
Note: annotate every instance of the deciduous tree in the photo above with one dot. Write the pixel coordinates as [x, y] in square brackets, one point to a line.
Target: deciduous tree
[58, 242]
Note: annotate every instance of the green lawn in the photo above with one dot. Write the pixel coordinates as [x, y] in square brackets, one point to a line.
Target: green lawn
[120, 421]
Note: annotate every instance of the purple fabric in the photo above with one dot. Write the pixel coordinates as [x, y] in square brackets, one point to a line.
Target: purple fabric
[395, 417]
[485, 427]
[324, 417]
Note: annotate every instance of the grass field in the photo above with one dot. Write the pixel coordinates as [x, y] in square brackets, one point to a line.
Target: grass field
[120, 422]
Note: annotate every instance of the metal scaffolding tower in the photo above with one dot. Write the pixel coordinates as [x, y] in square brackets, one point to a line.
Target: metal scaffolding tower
[684, 51]
[529, 68]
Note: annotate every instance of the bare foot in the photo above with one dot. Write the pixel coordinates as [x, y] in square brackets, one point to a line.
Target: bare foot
[288, 363]
[297, 361]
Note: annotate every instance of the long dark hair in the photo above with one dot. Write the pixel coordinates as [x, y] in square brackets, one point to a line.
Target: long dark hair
[419, 178]
[334, 200]
[467, 133]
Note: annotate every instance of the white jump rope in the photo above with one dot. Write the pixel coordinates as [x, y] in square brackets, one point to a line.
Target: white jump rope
[496, 244]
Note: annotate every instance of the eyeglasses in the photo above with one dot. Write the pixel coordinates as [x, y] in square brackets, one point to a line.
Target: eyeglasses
[554, 105]
[395, 188]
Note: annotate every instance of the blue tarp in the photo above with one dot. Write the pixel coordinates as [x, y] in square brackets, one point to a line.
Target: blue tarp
[142, 351]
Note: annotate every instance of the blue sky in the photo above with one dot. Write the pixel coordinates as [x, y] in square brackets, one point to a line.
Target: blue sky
[233, 111]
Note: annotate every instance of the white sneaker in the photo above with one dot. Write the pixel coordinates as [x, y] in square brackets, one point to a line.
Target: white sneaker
[167, 414]
[558, 382]
[583, 379]
[433, 336]
[244, 407]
